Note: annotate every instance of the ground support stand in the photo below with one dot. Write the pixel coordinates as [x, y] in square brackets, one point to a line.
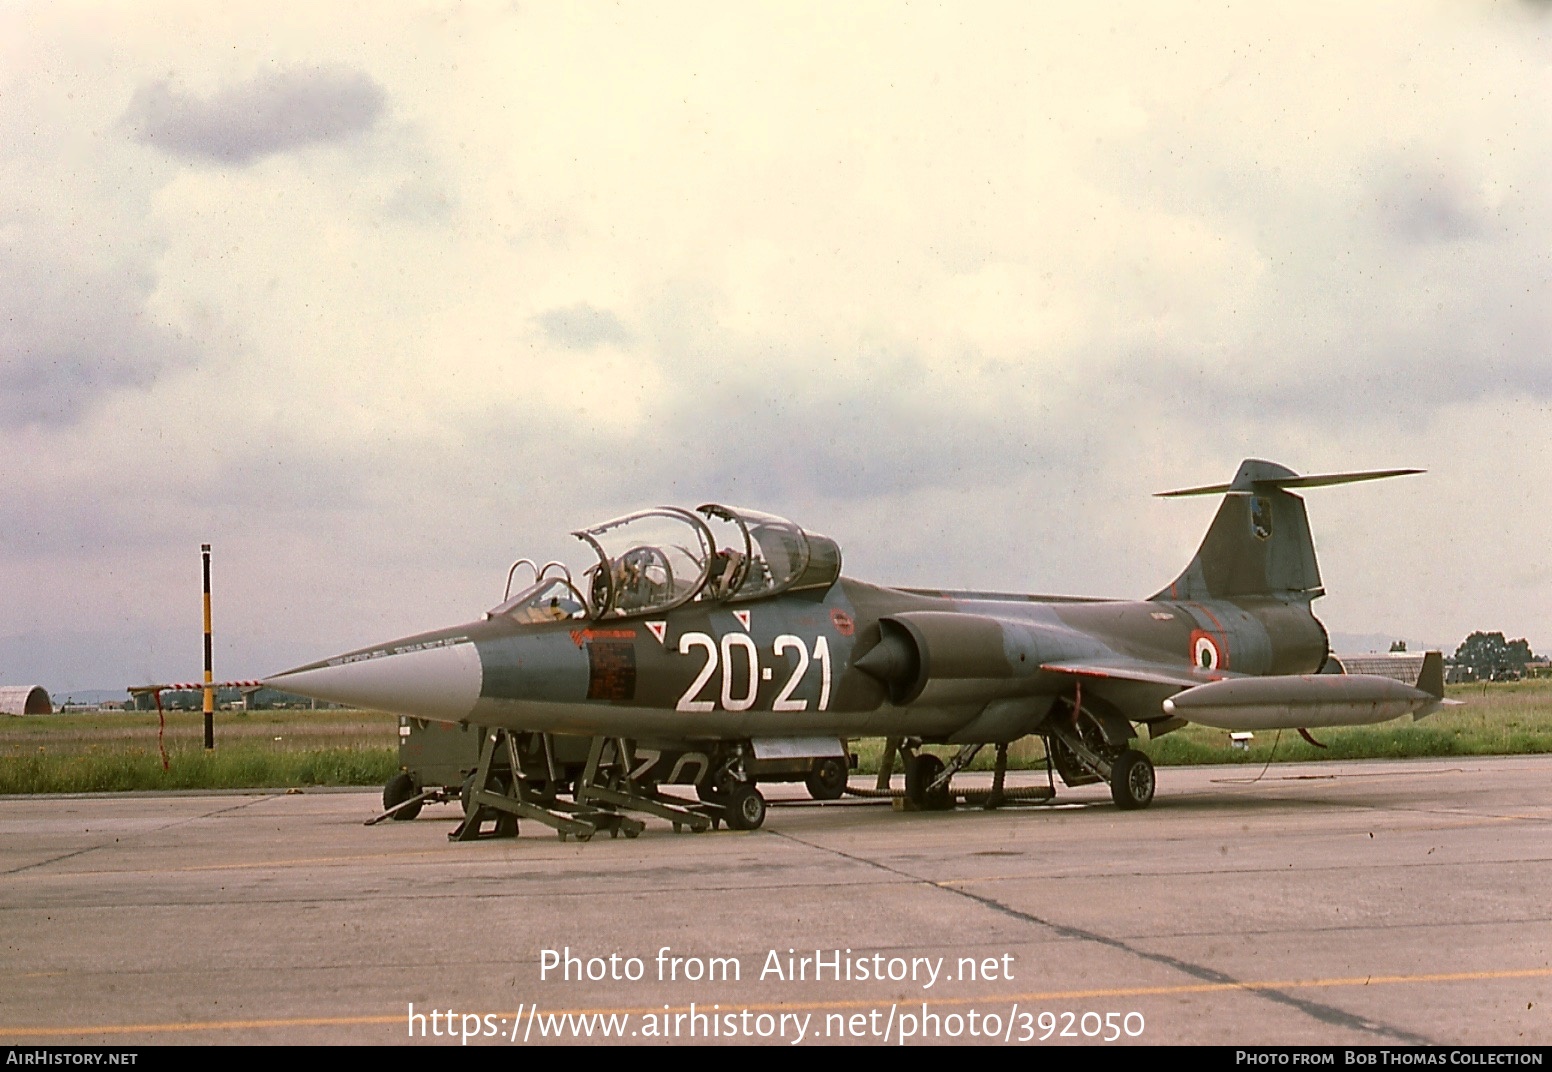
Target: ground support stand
[504, 795]
[606, 781]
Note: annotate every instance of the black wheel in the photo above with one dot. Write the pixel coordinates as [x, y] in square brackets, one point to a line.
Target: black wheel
[922, 770]
[499, 783]
[401, 787]
[1131, 780]
[709, 793]
[827, 779]
[745, 807]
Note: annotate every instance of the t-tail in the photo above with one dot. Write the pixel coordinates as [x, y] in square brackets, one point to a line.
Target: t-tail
[1259, 544]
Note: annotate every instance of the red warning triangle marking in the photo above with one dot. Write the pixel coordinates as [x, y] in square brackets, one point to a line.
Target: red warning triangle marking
[743, 618]
[658, 629]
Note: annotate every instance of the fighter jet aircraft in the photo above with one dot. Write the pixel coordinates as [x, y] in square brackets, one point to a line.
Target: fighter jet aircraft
[719, 637]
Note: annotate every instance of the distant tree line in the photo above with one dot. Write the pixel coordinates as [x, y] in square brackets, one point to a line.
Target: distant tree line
[1486, 654]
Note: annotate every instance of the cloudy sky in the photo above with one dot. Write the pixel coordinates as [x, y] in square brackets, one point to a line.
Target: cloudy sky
[377, 299]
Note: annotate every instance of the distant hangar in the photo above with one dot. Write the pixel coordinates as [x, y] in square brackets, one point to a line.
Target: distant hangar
[25, 700]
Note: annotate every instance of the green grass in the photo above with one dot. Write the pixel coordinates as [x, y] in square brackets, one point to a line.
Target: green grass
[236, 767]
[84, 752]
[83, 731]
[97, 752]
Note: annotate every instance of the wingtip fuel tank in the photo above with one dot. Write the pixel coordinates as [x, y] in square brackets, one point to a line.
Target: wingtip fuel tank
[1299, 701]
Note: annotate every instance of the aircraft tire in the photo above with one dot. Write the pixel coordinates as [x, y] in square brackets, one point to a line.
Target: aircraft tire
[922, 770]
[745, 807]
[466, 795]
[498, 784]
[399, 789]
[827, 780]
[1132, 781]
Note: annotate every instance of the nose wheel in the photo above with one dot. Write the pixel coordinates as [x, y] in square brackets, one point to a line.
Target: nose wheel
[745, 807]
[742, 806]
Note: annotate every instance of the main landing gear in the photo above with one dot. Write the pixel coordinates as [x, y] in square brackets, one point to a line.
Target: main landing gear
[926, 782]
[1083, 744]
[1131, 780]
[1084, 752]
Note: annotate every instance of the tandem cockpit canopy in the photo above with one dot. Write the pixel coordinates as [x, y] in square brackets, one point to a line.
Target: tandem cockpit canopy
[655, 560]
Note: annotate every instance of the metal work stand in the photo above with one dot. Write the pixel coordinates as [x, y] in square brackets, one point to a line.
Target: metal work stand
[606, 780]
[505, 797]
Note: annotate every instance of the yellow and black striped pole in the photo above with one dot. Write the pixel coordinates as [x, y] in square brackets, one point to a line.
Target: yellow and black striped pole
[210, 692]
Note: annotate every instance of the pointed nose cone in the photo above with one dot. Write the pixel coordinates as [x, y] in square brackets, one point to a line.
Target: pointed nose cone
[428, 677]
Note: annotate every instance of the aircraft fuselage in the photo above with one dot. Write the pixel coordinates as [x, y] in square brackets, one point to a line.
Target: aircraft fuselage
[785, 666]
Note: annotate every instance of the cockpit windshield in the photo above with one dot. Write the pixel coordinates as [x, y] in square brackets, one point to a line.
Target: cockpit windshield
[651, 561]
[550, 599]
[778, 556]
[655, 560]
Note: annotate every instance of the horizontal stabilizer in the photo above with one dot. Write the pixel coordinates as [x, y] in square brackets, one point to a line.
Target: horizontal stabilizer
[1299, 702]
[1248, 481]
[1259, 543]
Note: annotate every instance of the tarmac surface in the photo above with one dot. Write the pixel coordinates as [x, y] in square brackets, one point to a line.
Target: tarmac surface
[1374, 903]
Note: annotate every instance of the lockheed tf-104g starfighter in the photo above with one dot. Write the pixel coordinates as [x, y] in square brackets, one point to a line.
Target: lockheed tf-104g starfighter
[717, 637]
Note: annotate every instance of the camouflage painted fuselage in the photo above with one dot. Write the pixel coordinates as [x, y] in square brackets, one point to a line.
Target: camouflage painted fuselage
[785, 667]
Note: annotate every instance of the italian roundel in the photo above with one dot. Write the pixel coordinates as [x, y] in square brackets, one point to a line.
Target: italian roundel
[1206, 654]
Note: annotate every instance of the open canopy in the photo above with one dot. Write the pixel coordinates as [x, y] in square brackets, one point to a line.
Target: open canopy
[655, 560]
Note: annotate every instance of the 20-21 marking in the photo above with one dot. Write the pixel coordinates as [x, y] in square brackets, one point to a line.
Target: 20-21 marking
[741, 686]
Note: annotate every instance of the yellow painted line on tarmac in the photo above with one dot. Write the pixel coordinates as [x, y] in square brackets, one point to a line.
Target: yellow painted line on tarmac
[865, 1003]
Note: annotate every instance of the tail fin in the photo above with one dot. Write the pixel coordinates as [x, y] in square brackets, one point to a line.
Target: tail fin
[1259, 543]
[1431, 678]
[1431, 681]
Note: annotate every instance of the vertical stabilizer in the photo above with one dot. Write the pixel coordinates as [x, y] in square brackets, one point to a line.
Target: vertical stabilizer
[1259, 544]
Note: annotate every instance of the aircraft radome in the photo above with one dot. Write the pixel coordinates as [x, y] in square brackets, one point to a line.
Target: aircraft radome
[728, 635]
